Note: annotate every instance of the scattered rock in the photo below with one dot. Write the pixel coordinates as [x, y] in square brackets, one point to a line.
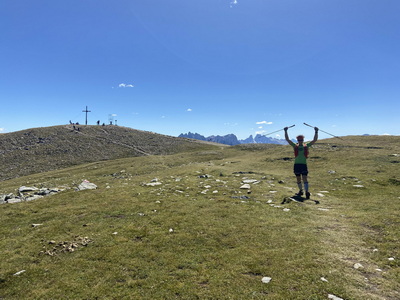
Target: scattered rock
[246, 186]
[358, 266]
[14, 200]
[24, 189]
[333, 297]
[65, 246]
[36, 225]
[324, 279]
[266, 279]
[33, 197]
[153, 183]
[391, 258]
[286, 209]
[86, 185]
[205, 176]
[249, 181]
[241, 197]
[358, 185]
[331, 172]
[19, 272]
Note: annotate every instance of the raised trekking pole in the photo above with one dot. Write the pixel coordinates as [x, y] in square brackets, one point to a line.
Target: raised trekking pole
[323, 131]
[279, 130]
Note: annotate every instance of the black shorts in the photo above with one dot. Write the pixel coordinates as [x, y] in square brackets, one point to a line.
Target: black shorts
[300, 169]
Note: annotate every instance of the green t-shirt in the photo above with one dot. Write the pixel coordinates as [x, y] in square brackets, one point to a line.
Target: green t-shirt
[301, 159]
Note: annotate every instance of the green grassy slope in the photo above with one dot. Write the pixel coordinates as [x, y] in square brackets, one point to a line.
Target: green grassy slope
[49, 148]
[198, 235]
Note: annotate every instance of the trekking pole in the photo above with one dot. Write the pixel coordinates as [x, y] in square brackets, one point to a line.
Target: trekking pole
[323, 131]
[278, 130]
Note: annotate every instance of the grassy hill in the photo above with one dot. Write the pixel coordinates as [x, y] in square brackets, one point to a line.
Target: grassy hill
[43, 149]
[194, 233]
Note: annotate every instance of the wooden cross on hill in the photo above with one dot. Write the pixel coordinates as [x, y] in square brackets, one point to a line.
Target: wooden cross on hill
[86, 111]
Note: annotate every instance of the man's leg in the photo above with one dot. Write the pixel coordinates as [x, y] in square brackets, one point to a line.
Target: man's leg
[305, 180]
[298, 177]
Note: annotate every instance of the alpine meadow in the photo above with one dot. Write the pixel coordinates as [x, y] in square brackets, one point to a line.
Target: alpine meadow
[174, 218]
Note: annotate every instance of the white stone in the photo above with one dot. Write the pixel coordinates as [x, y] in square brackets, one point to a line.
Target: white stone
[324, 279]
[358, 185]
[266, 279]
[246, 186]
[391, 258]
[19, 272]
[358, 266]
[86, 185]
[333, 297]
[14, 200]
[286, 209]
[250, 181]
[33, 197]
[23, 189]
[153, 183]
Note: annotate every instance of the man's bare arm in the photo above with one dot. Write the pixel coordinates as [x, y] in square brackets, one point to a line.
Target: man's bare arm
[315, 136]
[287, 136]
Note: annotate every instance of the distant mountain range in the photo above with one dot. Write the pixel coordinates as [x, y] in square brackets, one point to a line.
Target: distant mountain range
[231, 139]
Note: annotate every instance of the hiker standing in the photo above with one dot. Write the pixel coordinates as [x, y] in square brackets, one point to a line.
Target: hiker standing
[300, 162]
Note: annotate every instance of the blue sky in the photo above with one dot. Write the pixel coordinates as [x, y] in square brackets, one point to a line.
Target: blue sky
[205, 66]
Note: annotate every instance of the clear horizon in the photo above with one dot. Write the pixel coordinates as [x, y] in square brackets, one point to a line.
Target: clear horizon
[208, 67]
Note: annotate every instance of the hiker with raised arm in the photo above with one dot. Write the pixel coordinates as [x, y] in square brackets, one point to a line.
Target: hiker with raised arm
[301, 151]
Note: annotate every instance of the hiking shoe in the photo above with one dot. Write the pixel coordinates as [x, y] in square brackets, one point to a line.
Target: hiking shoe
[307, 195]
[300, 193]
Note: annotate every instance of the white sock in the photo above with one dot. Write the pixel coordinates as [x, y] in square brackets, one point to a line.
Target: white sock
[300, 186]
